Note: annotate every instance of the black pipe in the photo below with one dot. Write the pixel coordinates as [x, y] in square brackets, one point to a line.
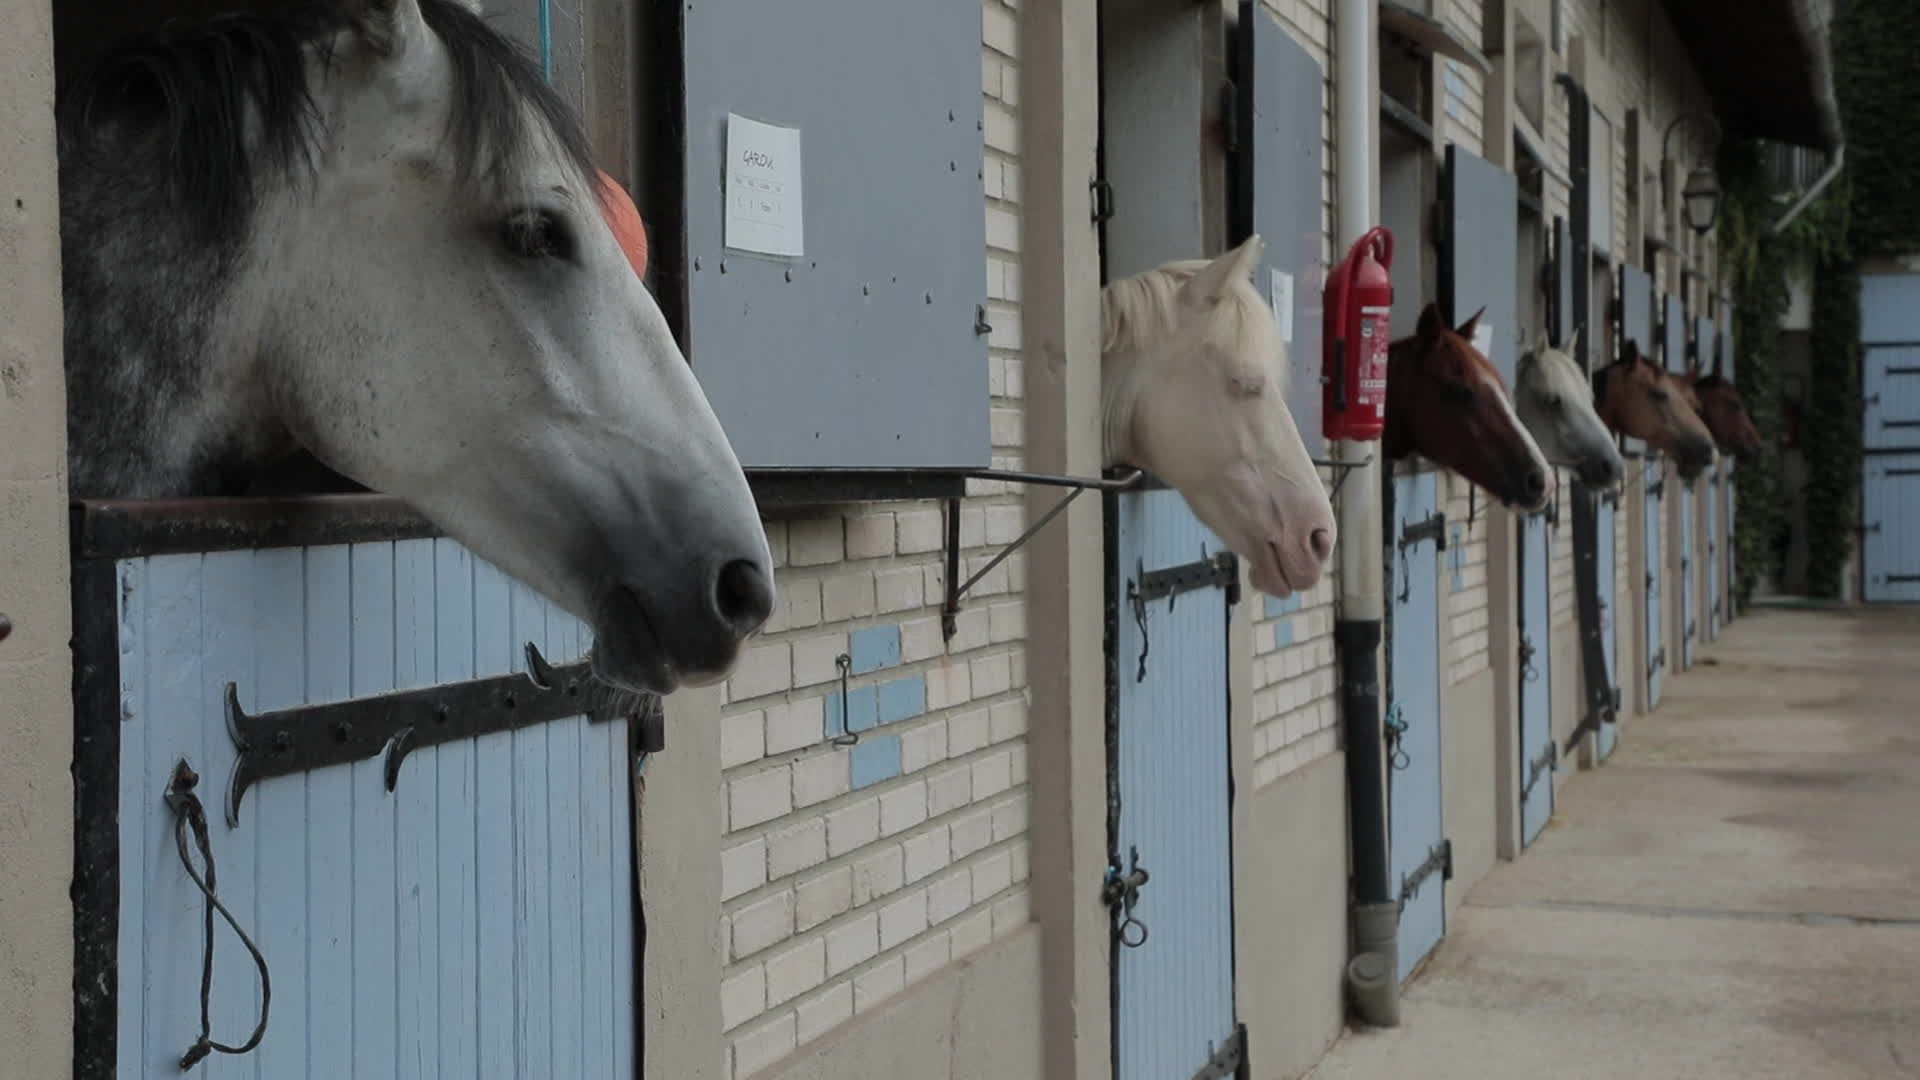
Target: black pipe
[1359, 643]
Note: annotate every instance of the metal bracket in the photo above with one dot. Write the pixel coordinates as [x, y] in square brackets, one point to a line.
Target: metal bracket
[1658, 660]
[1439, 858]
[1344, 469]
[1229, 1059]
[1539, 766]
[306, 737]
[1528, 673]
[1125, 480]
[1220, 570]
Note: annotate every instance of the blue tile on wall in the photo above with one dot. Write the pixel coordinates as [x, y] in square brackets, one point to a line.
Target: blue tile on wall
[1283, 633]
[857, 711]
[903, 699]
[875, 759]
[874, 647]
[1277, 607]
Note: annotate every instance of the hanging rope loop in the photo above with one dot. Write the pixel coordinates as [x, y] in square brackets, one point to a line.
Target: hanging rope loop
[189, 814]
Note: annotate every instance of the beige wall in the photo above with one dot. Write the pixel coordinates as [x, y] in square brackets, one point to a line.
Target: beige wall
[36, 711]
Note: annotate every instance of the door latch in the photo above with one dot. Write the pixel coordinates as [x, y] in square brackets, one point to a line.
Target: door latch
[1120, 892]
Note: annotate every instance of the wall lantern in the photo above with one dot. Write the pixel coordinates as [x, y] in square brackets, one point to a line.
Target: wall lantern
[1700, 198]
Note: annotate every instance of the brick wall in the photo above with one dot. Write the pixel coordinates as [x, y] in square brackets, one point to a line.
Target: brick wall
[1294, 705]
[877, 820]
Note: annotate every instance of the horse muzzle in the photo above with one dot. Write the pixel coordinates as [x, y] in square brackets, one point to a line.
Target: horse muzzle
[657, 639]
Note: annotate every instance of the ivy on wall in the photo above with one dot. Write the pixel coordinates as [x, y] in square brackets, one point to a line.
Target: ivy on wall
[1876, 78]
[1830, 429]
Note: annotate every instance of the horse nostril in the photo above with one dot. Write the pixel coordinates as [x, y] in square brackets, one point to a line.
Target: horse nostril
[1536, 482]
[743, 596]
[1320, 542]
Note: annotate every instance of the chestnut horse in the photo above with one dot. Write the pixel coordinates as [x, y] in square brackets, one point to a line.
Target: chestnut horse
[1447, 403]
[1639, 399]
[1721, 408]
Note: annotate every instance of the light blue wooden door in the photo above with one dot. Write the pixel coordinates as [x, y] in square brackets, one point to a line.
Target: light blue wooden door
[1716, 542]
[1890, 472]
[1171, 774]
[1537, 749]
[1419, 855]
[1604, 556]
[1654, 474]
[1689, 578]
[476, 921]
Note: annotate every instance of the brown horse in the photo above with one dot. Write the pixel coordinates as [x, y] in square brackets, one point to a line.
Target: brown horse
[1640, 400]
[1720, 406]
[1448, 404]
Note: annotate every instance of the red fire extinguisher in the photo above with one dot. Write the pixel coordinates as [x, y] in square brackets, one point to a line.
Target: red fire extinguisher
[1359, 305]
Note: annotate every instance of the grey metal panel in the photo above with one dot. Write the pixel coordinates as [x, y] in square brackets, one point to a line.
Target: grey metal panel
[1674, 347]
[1536, 675]
[1172, 772]
[1689, 621]
[1890, 546]
[1413, 708]
[1479, 261]
[1889, 307]
[1563, 285]
[1609, 732]
[1653, 470]
[863, 351]
[1406, 194]
[1636, 311]
[1891, 387]
[1157, 99]
[476, 921]
[1705, 331]
[1286, 173]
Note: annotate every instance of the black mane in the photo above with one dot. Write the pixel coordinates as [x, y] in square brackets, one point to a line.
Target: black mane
[181, 92]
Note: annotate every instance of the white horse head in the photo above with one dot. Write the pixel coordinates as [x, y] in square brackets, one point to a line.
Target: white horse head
[375, 234]
[1555, 402]
[1192, 376]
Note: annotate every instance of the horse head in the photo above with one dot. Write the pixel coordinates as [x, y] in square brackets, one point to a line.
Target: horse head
[1639, 399]
[1448, 404]
[373, 232]
[1725, 413]
[1192, 392]
[1555, 402]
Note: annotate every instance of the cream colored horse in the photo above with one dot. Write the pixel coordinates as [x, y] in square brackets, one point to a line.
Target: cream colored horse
[1555, 402]
[1192, 390]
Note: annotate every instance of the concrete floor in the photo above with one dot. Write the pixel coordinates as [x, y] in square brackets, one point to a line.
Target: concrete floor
[1735, 893]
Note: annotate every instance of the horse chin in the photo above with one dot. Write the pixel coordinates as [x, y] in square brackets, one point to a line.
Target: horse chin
[627, 652]
[1270, 577]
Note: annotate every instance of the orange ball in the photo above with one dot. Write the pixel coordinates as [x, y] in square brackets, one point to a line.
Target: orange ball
[624, 218]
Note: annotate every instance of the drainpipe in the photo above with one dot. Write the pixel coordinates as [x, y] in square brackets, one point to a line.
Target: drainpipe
[1373, 968]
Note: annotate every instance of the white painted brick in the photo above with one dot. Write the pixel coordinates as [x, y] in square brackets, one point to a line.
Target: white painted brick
[1005, 522]
[743, 997]
[991, 675]
[795, 724]
[992, 874]
[815, 659]
[819, 777]
[816, 541]
[972, 831]
[870, 536]
[853, 944]
[1002, 131]
[999, 29]
[1016, 373]
[903, 808]
[1010, 89]
[743, 868]
[796, 971]
[972, 933]
[1021, 856]
[763, 670]
[923, 746]
[920, 640]
[757, 798]
[870, 988]
[1010, 913]
[927, 957]
[802, 601]
[992, 71]
[898, 590]
[853, 827]
[742, 738]
[878, 874]
[902, 919]
[949, 685]
[1017, 769]
[926, 854]
[933, 582]
[949, 896]
[970, 629]
[918, 531]
[796, 848]
[949, 789]
[1007, 720]
[847, 596]
[1007, 622]
[973, 526]
[763, 924]
[822, 898]
[1003, 234]
[968, 731]
[763, 1045]
[1007, 425]
[821, 1014]
[992, 775]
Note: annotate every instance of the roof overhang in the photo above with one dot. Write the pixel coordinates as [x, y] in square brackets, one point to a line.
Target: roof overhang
[1767, 65]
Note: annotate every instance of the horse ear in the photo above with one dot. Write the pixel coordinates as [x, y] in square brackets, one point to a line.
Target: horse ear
[1573, 343]
[1465, 329]
[1429, 326]
[1212, 283]
[391, 27]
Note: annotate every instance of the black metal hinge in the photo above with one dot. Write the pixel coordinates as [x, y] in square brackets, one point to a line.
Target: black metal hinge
[1654, 489]
[1659, 660]
[1220, 570]
[1433, 528]
[1229, 1060]
[1539, 767]
[1440, 858]
[1102, 192]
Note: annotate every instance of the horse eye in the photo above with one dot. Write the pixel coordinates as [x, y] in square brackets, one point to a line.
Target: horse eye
[1659, 394]
[1460, 392]
[1554, 402]
[536, 234]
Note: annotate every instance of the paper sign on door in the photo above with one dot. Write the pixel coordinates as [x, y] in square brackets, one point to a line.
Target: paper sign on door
[763, 188]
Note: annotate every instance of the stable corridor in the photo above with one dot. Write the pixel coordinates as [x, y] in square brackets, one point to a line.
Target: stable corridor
[1736, 893]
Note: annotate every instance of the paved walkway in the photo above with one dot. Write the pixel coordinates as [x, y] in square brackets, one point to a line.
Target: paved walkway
[1736, 893]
